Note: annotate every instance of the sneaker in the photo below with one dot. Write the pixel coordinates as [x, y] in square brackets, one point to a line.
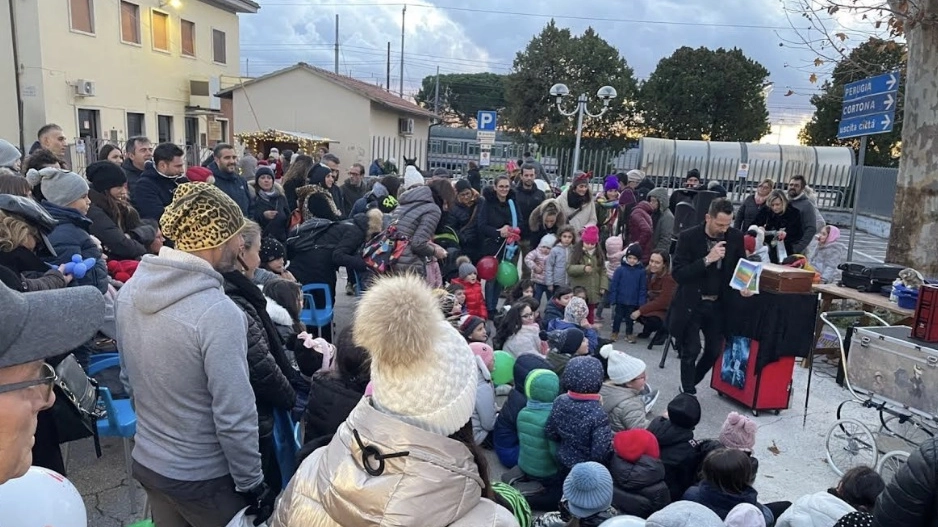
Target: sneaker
[694, 393]
[614, 337]
[630, 338]
[649, 397]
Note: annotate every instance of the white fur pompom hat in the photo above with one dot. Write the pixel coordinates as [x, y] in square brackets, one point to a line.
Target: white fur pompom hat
[422, 369]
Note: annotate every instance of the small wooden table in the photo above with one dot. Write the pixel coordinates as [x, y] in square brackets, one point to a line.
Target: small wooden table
[869, 301]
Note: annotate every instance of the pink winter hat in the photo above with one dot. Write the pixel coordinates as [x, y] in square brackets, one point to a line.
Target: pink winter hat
[613, 244]
[590, 234]
[738, 432]
[484, 352]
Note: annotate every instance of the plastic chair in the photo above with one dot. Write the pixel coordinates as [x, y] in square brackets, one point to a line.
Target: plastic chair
[121, 420]
[94, 359]
[310, 315]
[285, 444]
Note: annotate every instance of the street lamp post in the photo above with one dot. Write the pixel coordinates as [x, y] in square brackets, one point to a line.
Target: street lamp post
[606, 94]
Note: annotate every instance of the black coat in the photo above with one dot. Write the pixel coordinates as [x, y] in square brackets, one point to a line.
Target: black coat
[153, 193]
[269, 376]
[462, 220]
[352, 234]
[527, 201]
[790, 220]
[911, 498]
[276, 227]
[331, 400]
[678, 454]
[289, 191]
[133, 174]
[26, 272]
[689, 271]
[640, 488]
[310, 249]
[117, 244]
[493, 215]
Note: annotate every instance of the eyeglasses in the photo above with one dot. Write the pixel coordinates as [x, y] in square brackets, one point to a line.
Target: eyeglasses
[46, 381]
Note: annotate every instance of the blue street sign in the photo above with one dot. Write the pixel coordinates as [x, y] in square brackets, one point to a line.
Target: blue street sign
[887, 82]
[485, 120]
[869, 106]
[879, 123]
[884, 102]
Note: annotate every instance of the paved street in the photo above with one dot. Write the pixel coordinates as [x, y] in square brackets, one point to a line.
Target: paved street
[792, 456]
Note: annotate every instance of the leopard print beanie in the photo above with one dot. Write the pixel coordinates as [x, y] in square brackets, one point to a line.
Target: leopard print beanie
[201, 217]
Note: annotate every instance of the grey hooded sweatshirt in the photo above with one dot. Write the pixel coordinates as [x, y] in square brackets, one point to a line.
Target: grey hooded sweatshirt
[184, 354]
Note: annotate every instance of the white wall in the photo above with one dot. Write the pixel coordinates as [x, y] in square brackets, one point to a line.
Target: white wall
[129, 78]
[9, 124]
[384, 124]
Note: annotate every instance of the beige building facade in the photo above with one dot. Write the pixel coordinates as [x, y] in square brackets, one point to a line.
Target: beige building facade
[106, 70]
[363, 121]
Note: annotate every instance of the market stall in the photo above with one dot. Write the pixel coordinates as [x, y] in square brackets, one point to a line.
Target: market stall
[300, 142]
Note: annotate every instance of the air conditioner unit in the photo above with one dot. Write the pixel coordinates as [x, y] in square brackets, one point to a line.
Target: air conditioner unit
[84, 88]
[405, 126]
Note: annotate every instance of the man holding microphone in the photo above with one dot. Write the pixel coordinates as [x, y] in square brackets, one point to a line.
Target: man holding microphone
[704, 261]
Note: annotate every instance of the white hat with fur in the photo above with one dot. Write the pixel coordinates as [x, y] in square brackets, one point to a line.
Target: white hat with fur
[422, 369]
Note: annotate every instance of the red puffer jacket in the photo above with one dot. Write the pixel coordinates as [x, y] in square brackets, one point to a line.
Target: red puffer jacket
[475, 299]
[642, 228]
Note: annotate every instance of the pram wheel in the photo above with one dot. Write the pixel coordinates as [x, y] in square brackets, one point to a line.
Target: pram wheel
[890, 464]
[850, 444]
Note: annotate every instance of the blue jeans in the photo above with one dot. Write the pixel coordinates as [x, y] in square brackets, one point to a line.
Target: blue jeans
[540, 290]
[493, 290]
[624, 312]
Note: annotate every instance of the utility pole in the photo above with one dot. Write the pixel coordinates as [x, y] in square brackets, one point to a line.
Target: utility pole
[436, 95]
[389, 68]
[400, 91]
[336, 44]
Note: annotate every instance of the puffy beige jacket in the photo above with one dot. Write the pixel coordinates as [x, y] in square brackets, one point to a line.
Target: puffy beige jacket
[436, 484]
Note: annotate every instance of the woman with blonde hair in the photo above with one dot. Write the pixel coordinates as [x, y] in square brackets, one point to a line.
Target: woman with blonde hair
[778, 217]
[746, 215]
[23, 226]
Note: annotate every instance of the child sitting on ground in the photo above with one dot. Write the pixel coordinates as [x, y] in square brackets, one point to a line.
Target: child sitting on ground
[563, 345]
[587, 499]
[574, 315]
[505, 436]
[472, 329]
[628, 290]
[454, 304]
[556, 305]
[518, 332]
[622, 394]
[675, 433]
[727, 477]
[536, 454]
[483, 417]
[273, 258]
[469, 280]
[857, 490]
[638, 474]
[577, 421]
[536, 262]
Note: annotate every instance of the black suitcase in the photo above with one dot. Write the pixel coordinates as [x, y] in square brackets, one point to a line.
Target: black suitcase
[868, 277]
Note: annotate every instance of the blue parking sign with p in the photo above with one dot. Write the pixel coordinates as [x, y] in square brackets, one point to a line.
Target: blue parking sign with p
[485, 120]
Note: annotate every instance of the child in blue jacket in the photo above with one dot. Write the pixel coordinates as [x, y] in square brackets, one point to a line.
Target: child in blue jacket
[577, 420]
[628, 291]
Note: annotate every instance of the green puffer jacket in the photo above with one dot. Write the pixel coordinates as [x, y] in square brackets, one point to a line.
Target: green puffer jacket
[537, 452]
[594, 281]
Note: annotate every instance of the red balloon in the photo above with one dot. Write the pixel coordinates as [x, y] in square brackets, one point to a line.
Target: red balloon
[487, 268]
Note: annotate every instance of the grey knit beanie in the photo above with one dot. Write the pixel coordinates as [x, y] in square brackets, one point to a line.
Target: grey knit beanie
[9, 154]
[61, 187]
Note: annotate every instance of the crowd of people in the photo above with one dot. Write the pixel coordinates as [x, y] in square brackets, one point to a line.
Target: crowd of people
[195, 276]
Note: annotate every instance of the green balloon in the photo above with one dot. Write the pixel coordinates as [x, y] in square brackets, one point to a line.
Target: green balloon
[504, 368]
[507, 274]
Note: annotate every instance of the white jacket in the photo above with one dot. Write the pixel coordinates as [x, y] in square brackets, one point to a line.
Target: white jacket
[821, 509]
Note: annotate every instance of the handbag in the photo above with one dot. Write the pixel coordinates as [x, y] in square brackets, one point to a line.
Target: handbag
[385, 249]
[76, 397]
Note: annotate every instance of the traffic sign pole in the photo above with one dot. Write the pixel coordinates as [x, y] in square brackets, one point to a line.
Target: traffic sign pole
[856, 197]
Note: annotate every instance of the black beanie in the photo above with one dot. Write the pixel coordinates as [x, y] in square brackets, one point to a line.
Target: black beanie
[684, 411]
[462, 185]
[263, 171]
[470, 324]
[635, 250]
[104, 175]
[271, 249]
[317, 175]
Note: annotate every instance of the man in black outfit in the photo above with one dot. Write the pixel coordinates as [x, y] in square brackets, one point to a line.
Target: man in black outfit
[704, 261]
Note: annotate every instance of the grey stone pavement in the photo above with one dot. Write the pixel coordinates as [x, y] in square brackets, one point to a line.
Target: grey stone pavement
[792, 456]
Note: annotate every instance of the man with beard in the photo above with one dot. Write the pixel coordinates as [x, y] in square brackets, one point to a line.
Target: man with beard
[158, 181]
[137, 151]
[798, 198]
[225, 171]
[184, 356]
[528, 197]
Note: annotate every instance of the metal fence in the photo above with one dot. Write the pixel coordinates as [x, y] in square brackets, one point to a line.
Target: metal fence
[397, 148]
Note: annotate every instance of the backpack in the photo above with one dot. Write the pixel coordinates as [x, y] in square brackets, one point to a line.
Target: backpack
[685, 217]
[306, 236]
[385, 249]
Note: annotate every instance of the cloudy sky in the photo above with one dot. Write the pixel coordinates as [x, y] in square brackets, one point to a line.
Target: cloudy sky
[484, 35]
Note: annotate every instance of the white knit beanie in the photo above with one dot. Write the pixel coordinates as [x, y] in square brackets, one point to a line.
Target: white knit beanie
[422, 369]
[622, 367]
[548, 240]
[412, 177]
